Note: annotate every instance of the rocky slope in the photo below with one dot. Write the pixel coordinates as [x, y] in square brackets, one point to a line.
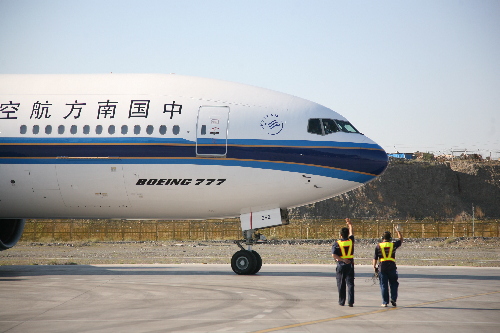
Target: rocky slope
[417, 190]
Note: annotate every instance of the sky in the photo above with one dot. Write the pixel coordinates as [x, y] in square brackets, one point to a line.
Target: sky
[419, 75]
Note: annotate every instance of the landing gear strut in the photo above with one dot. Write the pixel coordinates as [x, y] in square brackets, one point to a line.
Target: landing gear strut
[247, 262]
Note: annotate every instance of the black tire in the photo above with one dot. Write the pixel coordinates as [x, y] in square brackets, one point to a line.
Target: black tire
[244, 262]
[259, 262]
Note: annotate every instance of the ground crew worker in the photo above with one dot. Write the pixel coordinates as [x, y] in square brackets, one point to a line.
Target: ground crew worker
[385, 252]
[343, 253]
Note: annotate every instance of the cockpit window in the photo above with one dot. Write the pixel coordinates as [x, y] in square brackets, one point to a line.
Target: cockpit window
[346, 126]
[314, 126]
[329, 126]
[321, 126]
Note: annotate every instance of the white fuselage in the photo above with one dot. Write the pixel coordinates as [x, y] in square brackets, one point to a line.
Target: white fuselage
[167, 147]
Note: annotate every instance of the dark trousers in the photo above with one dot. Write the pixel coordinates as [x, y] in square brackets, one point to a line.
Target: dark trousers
[345, 278]
[389, 280]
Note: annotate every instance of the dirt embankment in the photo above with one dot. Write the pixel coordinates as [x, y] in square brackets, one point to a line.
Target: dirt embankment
[480, 252]
[417, 190]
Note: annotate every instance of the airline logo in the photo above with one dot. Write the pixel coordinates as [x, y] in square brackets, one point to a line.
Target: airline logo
[272, 124]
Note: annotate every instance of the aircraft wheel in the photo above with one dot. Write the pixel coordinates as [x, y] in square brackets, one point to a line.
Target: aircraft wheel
[259, 262]
[244, 262]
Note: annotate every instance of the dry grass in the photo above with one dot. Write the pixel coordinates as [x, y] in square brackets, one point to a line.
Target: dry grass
[229, 229]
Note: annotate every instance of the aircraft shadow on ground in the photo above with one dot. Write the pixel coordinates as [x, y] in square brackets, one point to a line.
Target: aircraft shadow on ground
[8, 272]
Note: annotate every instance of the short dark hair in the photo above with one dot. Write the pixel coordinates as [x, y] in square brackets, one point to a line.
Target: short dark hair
[344, 232]
[387, 236]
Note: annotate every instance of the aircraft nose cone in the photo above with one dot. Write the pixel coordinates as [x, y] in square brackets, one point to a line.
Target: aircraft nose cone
[380, 161]
[376, 157]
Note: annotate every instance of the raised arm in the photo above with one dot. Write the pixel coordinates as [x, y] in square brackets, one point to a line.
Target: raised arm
[400, 235]
[349, 225]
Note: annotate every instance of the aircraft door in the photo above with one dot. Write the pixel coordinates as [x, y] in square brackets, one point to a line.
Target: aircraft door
[212, 131]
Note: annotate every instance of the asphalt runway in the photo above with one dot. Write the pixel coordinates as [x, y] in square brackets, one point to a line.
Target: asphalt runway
[211, 298]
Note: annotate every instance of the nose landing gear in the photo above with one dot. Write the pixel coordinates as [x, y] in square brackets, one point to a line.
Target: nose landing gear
[247, 261]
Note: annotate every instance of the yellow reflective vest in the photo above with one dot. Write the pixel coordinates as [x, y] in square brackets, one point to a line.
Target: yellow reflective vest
[387, 249]
[346, 248]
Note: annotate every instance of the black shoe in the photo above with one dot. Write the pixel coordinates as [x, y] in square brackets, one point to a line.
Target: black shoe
[351, 305]
[393, 303]
[341, 304]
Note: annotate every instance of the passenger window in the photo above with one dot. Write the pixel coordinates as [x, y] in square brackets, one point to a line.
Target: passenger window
[48, 129]
[149, 129]
[137, 129]
[98, 129]
[60, 129]
[23, 129]
[203, 130]
[176, 129]
[124, 129]
[314, 126]
[36, 129]
[163, 129]
[73, 129]
[111, 129]
[86, 129]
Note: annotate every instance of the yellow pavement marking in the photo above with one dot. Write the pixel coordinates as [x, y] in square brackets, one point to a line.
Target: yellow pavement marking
[369, 313]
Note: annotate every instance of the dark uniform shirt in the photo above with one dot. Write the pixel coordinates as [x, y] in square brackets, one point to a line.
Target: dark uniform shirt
[388, 265]
[336, 249]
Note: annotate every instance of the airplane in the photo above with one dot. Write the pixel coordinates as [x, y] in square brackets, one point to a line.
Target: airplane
[167, 146]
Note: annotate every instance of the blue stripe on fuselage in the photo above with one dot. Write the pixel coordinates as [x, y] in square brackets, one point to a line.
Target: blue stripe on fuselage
[350, 161]
[290, 167]
[155, 140]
